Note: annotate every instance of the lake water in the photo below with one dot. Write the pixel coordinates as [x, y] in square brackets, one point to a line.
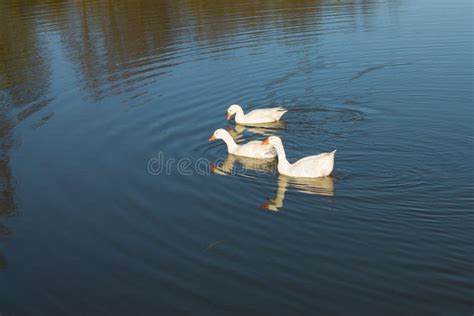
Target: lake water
[96, 96]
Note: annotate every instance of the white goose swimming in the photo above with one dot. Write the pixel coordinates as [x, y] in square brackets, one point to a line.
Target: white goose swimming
[252, 149]
[259, 116]
[309, 167]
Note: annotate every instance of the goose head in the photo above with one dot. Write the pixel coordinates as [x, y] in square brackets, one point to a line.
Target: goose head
[273, 140]
[232, 110]
[276, 143]
[218, 134]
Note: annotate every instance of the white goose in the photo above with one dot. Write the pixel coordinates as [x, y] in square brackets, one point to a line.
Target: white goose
[252, 149]
[309, 167]
[259, 116]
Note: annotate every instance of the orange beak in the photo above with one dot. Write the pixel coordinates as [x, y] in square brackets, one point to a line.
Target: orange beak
[213, 137]
[229, 116]
[265, 141]
[212, 167]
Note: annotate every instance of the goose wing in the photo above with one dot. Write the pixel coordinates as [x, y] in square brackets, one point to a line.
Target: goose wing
[266, 114]
[314, 166]
[256, 149]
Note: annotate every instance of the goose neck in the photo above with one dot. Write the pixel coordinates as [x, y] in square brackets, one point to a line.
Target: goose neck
[283, 163]
[230, 142]
[239, 114]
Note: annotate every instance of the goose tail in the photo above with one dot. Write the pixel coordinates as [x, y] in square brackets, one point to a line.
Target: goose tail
[281, 111]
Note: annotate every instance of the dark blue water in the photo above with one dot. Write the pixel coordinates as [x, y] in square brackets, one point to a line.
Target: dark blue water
[96, 95]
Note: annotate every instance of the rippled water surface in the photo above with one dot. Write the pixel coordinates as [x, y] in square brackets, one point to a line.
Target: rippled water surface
[94, 95]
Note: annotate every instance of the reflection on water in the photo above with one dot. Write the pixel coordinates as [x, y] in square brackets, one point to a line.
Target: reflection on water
[7, 199]
[7, 202]
[3, 262]
[267, 129]
[111, 44]
[240, 166]
[318, 186]
[4, 231]
[90, 88]
[25, 70]
[117, 47]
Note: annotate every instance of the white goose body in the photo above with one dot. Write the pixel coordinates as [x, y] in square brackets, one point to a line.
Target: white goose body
[309, 167]
[255, 117]
[252, 149]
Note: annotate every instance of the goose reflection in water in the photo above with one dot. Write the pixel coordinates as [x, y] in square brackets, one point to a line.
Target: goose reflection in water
[316, 186]
[266, 129]
[240, 165]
